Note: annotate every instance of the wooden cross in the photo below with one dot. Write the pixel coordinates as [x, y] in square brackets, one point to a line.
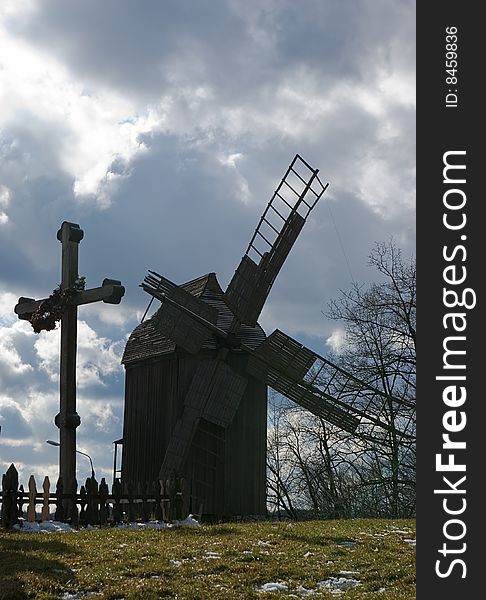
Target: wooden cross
[111, 291]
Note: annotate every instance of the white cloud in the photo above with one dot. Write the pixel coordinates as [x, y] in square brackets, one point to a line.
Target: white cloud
[4, 202]
[337, 341]
[98, 130]
[10, 357]
[7, 303]
[97, 357]
[231, 161]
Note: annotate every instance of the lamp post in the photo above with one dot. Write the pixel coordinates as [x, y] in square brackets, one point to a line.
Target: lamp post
[57, 444]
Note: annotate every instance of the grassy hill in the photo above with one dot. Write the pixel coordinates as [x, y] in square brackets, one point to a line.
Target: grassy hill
[355, 559]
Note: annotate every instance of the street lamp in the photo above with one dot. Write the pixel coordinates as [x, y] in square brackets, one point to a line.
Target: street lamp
[53, 443]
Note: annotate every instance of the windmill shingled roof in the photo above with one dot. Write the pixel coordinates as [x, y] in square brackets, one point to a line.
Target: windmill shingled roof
[145, 342]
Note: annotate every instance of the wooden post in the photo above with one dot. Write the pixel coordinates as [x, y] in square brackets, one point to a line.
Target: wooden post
[68, 419]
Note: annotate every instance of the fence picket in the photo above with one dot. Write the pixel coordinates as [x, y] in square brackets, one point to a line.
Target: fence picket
[117, 493]
[32, 499]
[73, 505]
[130, 506]
[83, 502]
[59, 515]
[21, 502]
[10, 484]
[45, 499]
[103, 494]
[157, 494]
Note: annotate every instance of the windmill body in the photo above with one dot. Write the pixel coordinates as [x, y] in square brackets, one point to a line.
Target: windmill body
[197, 373]
[225, 468]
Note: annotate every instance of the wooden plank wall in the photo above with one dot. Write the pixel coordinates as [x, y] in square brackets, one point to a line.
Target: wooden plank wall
[154, 398]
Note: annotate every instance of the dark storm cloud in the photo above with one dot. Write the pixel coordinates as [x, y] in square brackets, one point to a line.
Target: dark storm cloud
[144, 49]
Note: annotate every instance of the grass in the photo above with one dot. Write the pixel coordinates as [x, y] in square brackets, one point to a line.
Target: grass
[227, 562]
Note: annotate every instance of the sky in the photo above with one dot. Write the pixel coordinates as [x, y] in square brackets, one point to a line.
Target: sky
[162, 129]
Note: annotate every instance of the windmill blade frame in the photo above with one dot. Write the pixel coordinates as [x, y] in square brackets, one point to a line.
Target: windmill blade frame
[329, 391]
[274, 236]
[179, 320]
[214, 395]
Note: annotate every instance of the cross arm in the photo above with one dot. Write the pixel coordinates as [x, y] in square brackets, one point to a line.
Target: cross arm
[111, 292]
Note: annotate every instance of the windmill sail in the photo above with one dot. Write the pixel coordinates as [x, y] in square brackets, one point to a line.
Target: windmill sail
[328, 391]
[214, 395]
[176, 320]
[279, 227]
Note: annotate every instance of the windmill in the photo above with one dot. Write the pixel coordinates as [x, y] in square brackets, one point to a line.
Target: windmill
[198, 371]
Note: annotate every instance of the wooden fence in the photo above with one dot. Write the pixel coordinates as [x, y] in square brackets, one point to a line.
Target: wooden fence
[93, 504]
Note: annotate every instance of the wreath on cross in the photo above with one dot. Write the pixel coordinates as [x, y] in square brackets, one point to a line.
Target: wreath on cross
[50, 310]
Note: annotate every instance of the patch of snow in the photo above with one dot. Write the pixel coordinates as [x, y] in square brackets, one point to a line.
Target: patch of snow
[348, 573]
[381, 590]
[212, 555]
[329, 562]
[175, 563]
[57, 526]
[148, 525]
[264, 544]
[43, 527]
[346, 543]
[247, 552]
[155, 525]
[274, 587]
[189, 521]
[404, 531]
[52, 526]
[307, 554]
[410, 541]
[302, 591]
[76, 595]
[339, 583]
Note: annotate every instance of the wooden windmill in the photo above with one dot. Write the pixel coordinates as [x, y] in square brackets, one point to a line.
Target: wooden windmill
[197, 372]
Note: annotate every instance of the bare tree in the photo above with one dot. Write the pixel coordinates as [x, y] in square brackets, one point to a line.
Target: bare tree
[379, 348]
[305, 466]
[281, 477]
[315, 466]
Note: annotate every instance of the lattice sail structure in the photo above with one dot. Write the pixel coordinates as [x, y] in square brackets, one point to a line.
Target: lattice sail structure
[214, 395]
[329, 391]
[279, 227]
[176, 321]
